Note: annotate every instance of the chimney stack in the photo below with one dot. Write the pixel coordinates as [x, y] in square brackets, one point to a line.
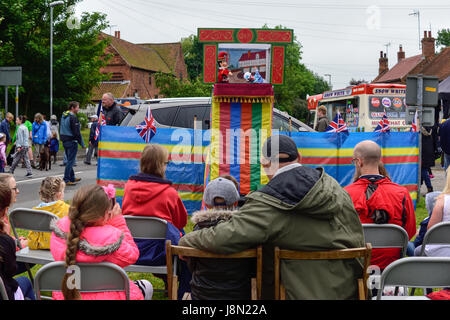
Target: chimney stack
[400, 54]
[383, 63]
[117, 34]
[428, 45]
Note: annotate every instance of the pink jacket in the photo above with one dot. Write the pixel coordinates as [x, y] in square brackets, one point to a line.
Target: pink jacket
[111, 242]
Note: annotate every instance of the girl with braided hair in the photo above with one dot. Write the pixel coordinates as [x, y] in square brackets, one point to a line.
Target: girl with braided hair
[52, 200]
[95, 231]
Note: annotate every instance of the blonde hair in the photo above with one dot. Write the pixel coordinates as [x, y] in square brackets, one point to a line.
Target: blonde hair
[153, 160]
[50, 186]
[89, 204]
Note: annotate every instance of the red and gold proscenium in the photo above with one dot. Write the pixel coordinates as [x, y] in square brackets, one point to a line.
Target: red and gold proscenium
[277, 38]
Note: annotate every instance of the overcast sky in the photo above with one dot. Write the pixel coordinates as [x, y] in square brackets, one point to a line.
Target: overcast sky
[340, 38]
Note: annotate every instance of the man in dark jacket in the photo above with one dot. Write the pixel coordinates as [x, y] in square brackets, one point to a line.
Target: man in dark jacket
[444, 138]
[5, 126]
[113, 114]
[71, 136]
[322, 120]
[301, 208]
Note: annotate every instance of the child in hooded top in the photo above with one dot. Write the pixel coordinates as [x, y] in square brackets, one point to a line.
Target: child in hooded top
[2, 152]
[214, 279]
[52, 200]
[95, 231]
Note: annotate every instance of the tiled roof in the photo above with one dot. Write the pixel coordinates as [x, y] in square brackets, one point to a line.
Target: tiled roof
[118, 89]
[169, 52]
[439, 66]
[401, 69]
[138, 56]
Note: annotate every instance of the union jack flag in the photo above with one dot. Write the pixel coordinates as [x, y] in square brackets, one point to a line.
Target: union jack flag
[101, 122]
[414, 123]
[383, 125]
[337, 125]
[147, 128]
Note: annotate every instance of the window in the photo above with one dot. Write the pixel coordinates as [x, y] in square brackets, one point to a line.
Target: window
[185, 116]
[165, 116]
[281, 123]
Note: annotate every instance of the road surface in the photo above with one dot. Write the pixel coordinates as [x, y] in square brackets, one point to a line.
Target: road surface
[28, 196]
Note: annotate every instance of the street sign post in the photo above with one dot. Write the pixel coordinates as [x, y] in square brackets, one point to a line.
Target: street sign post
[11, 76]
[421, 96]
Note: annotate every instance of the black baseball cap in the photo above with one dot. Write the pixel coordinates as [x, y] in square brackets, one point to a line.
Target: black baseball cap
[277, 144]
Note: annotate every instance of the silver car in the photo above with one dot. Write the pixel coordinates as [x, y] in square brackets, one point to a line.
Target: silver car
[181, 112]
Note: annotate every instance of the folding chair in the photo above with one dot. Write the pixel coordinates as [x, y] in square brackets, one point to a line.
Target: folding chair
[417, 272]
[33, 220]
[3, 293]
[437, 234]
[353, 253]
[386, 236]
[150, 228]
[172, 253]
[94, 277]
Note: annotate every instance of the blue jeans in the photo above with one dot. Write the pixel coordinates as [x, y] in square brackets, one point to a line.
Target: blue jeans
[425, 176]
[70, 148]
[26, 287]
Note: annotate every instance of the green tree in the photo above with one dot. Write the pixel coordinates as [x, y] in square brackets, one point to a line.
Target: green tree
[193, 56]
[77, 53]
[171, 87]
[443, 38]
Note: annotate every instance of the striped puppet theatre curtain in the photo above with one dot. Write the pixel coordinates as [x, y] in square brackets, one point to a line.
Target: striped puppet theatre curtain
[241, 121]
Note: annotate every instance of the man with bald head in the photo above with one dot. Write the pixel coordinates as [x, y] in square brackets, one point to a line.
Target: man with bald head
[112, 112]
[378, 200]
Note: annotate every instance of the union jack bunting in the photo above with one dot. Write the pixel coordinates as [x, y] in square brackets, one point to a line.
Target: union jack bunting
[337, 125]
[101, 122]
[414, 123]
[147, 128]
[383, 125]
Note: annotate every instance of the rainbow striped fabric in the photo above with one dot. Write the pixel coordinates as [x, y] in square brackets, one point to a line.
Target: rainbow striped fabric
[400, 152]
[120, 150]
[239, 127]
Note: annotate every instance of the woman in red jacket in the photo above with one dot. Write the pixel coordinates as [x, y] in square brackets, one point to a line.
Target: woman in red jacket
[149, 194]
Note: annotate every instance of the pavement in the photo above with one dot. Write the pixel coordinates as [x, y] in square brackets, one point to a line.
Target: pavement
[438, 182]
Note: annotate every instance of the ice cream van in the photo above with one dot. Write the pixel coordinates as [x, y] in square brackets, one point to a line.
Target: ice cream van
[363, 106]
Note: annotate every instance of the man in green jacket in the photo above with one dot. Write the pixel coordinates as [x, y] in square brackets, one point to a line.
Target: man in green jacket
[301, 208]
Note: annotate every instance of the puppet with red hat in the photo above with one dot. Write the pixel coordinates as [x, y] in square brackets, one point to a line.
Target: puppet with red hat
[222, 61]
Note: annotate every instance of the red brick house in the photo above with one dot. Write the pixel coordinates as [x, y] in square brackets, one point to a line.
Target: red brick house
[427, 63]
[132, 67]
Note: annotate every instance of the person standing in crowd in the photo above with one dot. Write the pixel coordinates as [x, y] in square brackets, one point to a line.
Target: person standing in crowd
[71, 136]
[299, 209]
[444, 139]
[112, 112]
[49, 128]
[379, 200]
[39, 134]
[428, 156]
[322, 119]
[5, 127]
[3, 161]
[93, 143]
[54, 125]
[21, 147]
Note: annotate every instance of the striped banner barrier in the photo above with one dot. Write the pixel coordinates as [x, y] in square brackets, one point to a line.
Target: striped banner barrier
[120, 149]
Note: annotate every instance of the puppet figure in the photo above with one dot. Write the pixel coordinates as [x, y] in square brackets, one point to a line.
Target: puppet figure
[222, 61]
